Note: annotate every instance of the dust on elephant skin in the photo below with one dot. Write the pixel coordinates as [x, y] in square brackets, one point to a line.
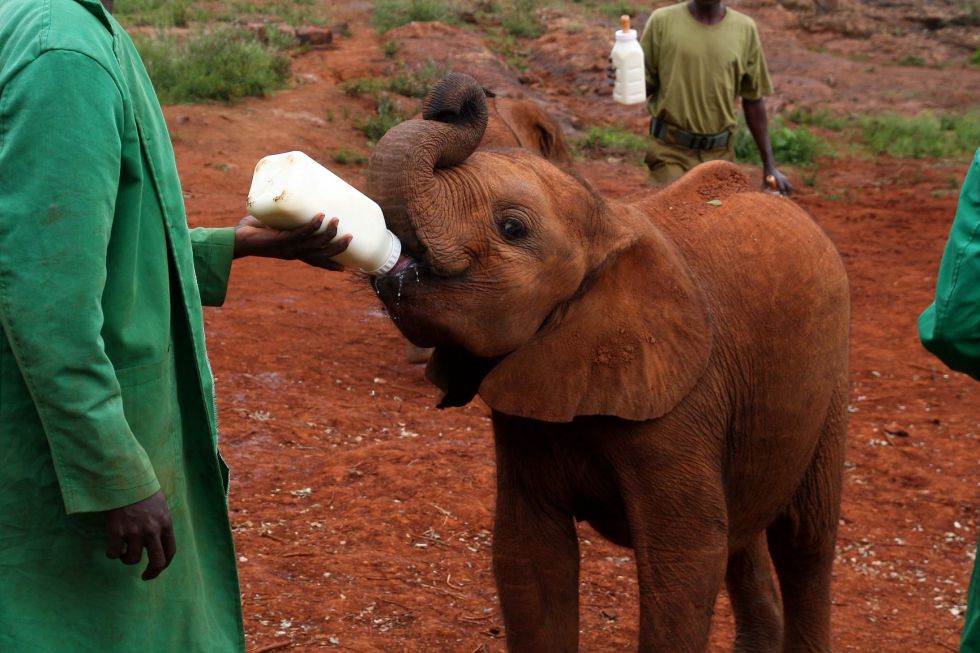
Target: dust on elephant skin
[672, 370]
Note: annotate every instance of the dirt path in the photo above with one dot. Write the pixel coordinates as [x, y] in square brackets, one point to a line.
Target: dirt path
[362, 514]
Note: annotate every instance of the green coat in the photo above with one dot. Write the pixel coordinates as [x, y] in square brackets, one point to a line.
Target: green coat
[105, 390]
[950, 329]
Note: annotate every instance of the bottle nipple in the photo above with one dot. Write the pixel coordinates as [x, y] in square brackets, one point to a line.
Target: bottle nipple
[624, 23]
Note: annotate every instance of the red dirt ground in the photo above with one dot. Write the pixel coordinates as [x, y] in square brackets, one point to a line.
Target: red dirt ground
[362, 514]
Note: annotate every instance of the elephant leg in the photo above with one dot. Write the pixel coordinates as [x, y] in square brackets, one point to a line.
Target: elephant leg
[536, 566]
[802, 539]
[678, 521]
[758, 614]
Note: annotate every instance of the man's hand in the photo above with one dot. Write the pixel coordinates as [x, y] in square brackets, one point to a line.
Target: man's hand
[144, 524]
[774, 180]
[252, 238]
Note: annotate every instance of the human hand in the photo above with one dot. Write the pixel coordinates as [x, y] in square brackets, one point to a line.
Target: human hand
[611, 73]
[252, 238]
[144, 524]
[775, 181]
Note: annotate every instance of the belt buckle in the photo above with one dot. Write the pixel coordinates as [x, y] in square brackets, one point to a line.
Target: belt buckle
[701, 142]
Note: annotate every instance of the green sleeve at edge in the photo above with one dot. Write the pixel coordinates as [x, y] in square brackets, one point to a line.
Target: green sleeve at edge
[214, 250]
[950, 327]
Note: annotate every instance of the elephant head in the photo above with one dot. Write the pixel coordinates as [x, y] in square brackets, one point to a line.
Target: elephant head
[510, 262]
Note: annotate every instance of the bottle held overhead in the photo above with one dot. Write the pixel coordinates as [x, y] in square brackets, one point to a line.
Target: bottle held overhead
[289, 189]
[627, 59]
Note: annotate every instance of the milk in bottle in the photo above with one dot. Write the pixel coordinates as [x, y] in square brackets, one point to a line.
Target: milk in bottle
[289, 189]
[627, 58]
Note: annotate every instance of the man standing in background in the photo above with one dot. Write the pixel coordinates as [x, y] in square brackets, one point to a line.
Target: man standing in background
[700, 56]
[108, 431]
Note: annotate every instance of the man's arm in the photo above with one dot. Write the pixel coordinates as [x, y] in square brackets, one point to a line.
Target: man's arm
[650, 58]
[758, 122]
[950, 327]
[753, 87]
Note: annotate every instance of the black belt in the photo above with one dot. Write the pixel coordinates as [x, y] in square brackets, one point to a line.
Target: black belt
[662, 130]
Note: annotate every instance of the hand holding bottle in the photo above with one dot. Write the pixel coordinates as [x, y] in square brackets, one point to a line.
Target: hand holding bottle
[306, 243]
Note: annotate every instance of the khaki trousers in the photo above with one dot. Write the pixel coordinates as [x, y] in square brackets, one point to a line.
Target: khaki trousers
[668, 162]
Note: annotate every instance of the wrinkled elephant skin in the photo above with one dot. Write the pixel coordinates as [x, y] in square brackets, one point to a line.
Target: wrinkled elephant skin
[672, 370]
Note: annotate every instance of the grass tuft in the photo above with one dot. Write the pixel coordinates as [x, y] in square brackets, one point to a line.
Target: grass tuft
[612, 141]
[223, 64]
[387, 116]
[797, 146]
[389, 14]
[921, 136]
[521, 20]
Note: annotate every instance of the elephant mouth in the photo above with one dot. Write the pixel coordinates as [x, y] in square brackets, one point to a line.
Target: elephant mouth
[401, 285]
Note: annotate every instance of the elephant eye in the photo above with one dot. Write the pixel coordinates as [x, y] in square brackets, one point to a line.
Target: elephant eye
[512, 228]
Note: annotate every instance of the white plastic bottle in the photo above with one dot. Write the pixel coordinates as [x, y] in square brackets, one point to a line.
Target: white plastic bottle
[627, 58]
[289, 189]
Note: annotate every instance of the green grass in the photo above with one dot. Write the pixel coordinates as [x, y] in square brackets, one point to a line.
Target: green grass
[809, 118]
[182, 13]
[348, 157]
[389, 14]
[387, 116]
[614, 10]
[975, 59]
[155, 13]
[410, 82]
[611, 141]
[224, 64]
[795, 146]
[521, 20]
[922, 136]
[912, 60]
[391, 48]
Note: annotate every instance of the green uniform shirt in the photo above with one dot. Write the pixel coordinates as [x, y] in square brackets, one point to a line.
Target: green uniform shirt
[695, 71]
[105, 391]
[950, 329]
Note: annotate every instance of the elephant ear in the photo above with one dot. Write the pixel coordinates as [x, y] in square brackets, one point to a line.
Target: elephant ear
[552, 143]
[632, 345]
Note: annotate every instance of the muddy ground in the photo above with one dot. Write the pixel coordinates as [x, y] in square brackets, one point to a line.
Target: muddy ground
[362, 514]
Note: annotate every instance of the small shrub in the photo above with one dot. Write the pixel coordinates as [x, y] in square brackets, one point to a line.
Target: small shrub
[416, 82]
[521, 20]
[389, 14]
[912, 60]
[797, 146]
[225, 64]
[278, 39]
[362, 86]
[409, 82]
[391, 48]
[387, 116]
[347, 157]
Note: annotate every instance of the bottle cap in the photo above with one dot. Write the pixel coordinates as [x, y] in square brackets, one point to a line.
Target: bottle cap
[394, 252]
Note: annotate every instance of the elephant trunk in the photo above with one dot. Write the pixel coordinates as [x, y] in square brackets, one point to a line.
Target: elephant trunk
[401, 174]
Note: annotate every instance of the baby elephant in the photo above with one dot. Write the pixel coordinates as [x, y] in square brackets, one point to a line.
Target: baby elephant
[672, 370]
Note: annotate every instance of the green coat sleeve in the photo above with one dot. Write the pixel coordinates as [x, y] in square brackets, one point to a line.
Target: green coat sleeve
[61, 122]
[950, 327]
[213, 252]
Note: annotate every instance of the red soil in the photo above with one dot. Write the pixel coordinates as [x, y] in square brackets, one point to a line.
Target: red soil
[362, 514]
